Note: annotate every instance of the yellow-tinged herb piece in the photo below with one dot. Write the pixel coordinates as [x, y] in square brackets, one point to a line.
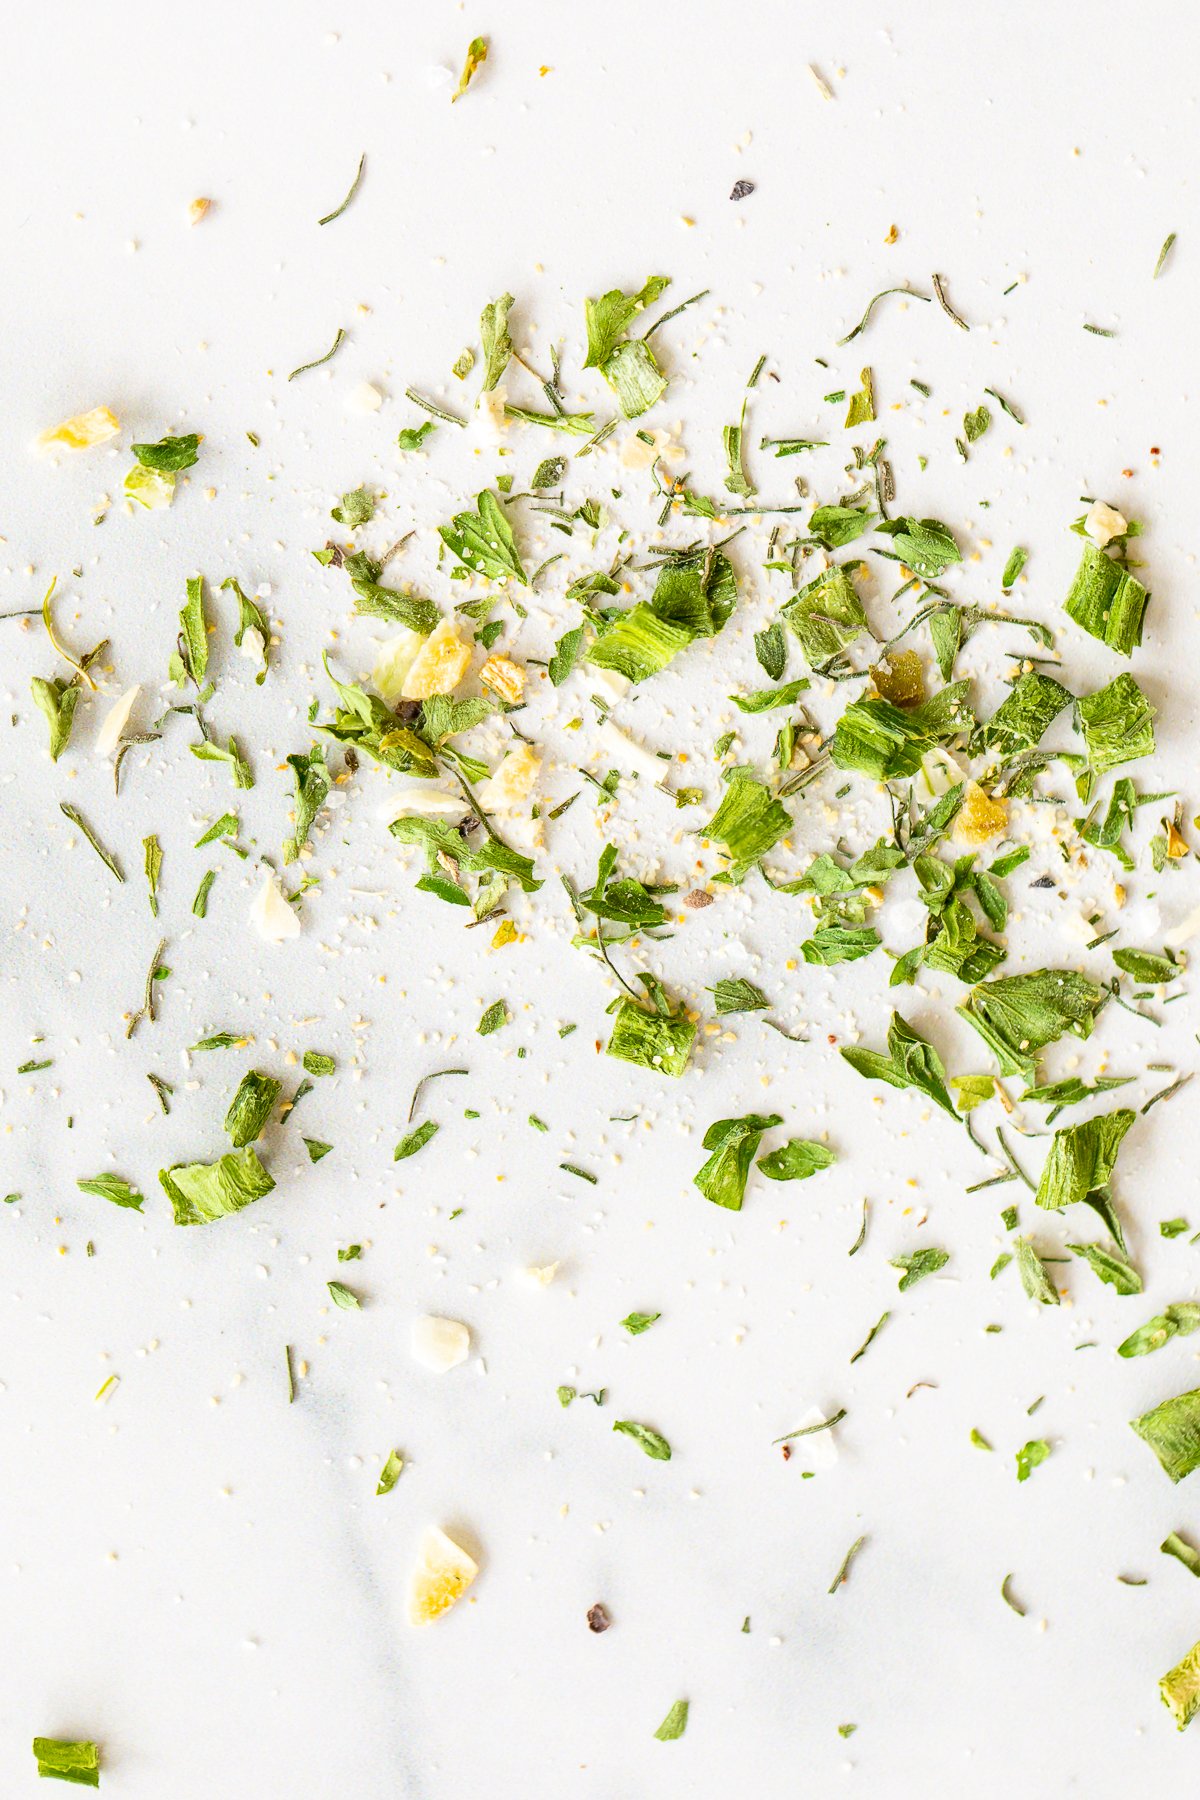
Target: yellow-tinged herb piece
[443, 1573]
[900, 678]
[1180, 1688]
[980, 819]
[389, 1475]
[477, 51]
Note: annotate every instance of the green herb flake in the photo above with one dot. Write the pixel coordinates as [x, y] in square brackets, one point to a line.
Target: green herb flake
[65, 1759]
[1117, 724]
[389, 1475]
[738, 995]
[1111, 1267]
[675, 1723]
[1179, 1320]
[1012, 568]
[1107, 601]
[343, 1296]
[251, 1107]
[1180, 1689]
[910, 1062]
[1082, 1159]
[202, 1193]
[733, 1143]
[477, 51]
[200, 903]
[635, 1322]
[1029, 1456]
[1172, 1430]
[415, 1140]
[413, 436]
[797, 1160]
[916, 1266]
[110, 1187]
[494, 1019]
[652, 1442]
[1174, 1545]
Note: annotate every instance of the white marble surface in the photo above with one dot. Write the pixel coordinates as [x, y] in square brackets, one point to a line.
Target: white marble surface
[200, 1575]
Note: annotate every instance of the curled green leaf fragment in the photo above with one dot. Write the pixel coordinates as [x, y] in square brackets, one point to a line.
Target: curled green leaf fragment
[1029, 1456]
[733, 1143]
[201, 1193]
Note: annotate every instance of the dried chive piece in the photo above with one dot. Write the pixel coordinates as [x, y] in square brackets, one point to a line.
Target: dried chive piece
[106, 856]
[339, 210]
[332, 351]
[1163, 254]
[843, 1573]
[939, 288]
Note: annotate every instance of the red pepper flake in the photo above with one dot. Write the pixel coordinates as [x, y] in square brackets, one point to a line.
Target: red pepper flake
[597, 1618]
[787, 1452]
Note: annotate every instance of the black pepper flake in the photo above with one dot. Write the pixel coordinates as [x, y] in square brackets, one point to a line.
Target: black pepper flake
[741, 190]
[1043, 881]
[597, 1618]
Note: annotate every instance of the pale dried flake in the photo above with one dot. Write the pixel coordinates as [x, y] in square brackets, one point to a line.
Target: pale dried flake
[621, 746]
[439, 665]
[272, 917]
[940, 772]
[440, 1344]
[696, 899]
[540, 1274]
[115, 721]
[443, 1573]
[82, 431]
[365, 398]
[198, 209]
[253, 645]
[505, 678]
[663, 447]
[489, 414]
[822, 86]
[423, 802]
[609, 683]
[393, 661]
[513, 781]
[1103, 523]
